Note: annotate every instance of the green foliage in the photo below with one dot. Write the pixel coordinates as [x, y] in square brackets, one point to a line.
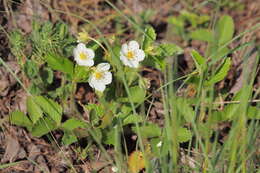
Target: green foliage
[183, 135]
[221, 72]
[18, 43]
[200, 61]
[202, 34]
[131, 119]
[31, 69]
[20, 119]
[149, 130]
[149, 38]
[55, 77]
[43, 126]
[72, 124]
[47, 75]
[49, 107]
[198, 23]
[137, 94]
[33, 109]
[224, 29]
[59, 63]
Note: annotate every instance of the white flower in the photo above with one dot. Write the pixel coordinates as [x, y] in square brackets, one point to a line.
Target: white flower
[83, 56]
[114, 169]
[131, 55]
[159, 144]
[100, 77]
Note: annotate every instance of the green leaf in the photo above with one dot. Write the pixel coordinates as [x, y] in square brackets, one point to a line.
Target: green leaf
[50, 107]
[106, 120]
[149, 130]
[131, 119]
[232, 109]
[47, 75]
[177, 22]
[30, 69]
[160, 145]
[62, 30]
[20, 119]
[95, 109]
[168, 49]
[191, 17]
[137, 94]
[81, 73]
[68, 138]
[217, 116]
[225, 29]
[202, 35]
[185, 110]
[221, 73]
[109, 137]
[72, 124]
[253, 113]
[43, 126]
[183, 135]
[59, 63]
[218, 53]
[200, 62]
[33, 109]
[149, 38]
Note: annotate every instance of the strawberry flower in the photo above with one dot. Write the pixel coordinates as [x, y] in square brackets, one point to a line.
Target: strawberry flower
[83, 56]
[131, 54]
[100, 77]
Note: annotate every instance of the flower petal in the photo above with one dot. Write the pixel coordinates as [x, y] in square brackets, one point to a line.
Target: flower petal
[124, 59]
[124, 49]
[107, 78]
[88, 62]
[139, 55]
[81, 47]
[133, 45]
[75, 53]
[134, 64]
[90, 53]
[103, 67]
[96, 84]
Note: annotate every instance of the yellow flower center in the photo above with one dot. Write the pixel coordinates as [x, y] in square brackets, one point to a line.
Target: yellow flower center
[130, 55]
[99, 75]
[83, 56]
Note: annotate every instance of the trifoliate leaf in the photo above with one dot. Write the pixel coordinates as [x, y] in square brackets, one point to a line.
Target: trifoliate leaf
[47, 75]
[30, 68]
[109, 136]
[137, 94]
[183, 135]
[168, 49]
[20, 119]
[50, 107]
[43, 126]
[253, 113]
[221, 73]
[131, 119]
[202, 35]
[33, 109]
[69, 138]
[148, 130]
[200, 61]
[225, 29]
[59, 63]
[149, 38]
[72, 124]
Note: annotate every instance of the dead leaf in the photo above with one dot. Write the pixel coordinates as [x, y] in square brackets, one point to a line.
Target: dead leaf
[12, 149]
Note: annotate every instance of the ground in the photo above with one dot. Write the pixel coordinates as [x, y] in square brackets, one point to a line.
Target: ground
[16, 144]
